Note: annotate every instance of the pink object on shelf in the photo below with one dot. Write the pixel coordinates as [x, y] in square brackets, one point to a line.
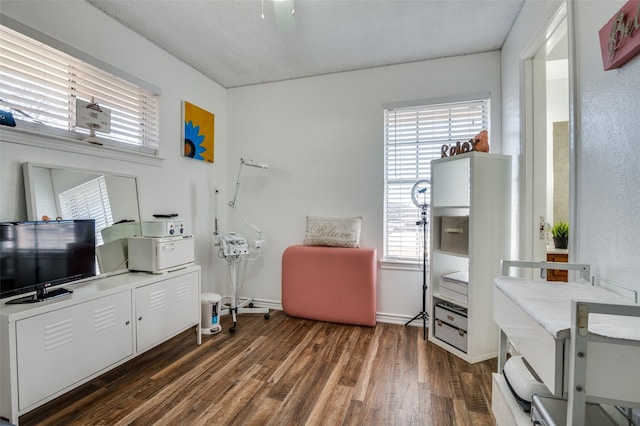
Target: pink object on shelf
[620, 37]
[333, 284]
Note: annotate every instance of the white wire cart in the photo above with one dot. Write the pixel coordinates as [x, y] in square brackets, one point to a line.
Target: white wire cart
[581, 339]
[235, 250]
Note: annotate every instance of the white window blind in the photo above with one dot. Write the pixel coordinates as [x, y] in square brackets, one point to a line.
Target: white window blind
[40, 85]
[413, 136]
[89, 200]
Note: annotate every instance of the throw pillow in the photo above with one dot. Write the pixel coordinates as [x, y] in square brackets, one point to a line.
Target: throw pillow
[333, 231]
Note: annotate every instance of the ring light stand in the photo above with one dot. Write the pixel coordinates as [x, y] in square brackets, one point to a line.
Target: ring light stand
[420, 194]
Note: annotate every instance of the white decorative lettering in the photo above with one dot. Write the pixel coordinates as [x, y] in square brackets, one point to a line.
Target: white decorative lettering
[327, 230]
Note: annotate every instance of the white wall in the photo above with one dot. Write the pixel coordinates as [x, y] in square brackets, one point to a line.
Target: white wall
[322, 137]
[608, 199]
[609, 177]
[323, 140]
[179, 184]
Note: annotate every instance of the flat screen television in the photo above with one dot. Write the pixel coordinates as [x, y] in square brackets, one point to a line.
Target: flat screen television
[35, 256]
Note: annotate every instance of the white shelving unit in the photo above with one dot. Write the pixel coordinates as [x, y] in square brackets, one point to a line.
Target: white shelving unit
[477, 185]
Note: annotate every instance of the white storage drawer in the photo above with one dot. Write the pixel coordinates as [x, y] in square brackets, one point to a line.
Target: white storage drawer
[452, 315]
[454, 291]
[462, 288]
[454, 235]
[456, 337]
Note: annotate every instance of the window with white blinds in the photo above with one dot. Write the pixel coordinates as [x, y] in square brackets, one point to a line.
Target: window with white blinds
[413, 136]
[39, 85]
[89, 200]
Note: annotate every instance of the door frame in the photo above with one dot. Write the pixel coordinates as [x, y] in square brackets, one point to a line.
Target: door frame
[531, 197]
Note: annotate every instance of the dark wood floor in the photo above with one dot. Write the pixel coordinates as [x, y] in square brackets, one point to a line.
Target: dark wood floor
[284, 371]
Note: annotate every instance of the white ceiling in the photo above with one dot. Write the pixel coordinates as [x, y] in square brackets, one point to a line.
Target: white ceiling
[229, 42]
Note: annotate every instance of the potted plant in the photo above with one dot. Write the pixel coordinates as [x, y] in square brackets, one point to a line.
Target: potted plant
[560, 232]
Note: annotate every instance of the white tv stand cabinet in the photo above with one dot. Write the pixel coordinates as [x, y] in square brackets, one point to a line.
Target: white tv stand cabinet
[48, 348]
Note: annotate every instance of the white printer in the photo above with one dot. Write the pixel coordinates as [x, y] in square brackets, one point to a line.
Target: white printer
[160, 254]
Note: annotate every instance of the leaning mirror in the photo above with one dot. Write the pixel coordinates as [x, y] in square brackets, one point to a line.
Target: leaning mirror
[70, 193]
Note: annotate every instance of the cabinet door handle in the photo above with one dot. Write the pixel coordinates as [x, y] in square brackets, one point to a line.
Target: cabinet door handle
[139, 318]
[454, 230]
[126, 323]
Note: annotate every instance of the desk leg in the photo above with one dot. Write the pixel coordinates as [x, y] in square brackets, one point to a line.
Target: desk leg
[576, 394]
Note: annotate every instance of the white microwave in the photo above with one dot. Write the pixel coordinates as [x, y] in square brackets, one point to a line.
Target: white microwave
[157, 255]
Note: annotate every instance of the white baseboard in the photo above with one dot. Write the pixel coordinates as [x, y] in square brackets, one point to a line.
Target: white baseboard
[380, 317]
[397, 319]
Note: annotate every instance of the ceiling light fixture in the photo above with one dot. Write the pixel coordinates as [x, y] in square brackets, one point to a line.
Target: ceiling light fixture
[284, 11]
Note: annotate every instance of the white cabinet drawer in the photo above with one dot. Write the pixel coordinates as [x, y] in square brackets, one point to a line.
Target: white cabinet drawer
[452, 316]
[456, 337]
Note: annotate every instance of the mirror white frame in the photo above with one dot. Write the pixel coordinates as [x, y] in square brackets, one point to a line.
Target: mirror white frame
[43, 182]
[40, 181]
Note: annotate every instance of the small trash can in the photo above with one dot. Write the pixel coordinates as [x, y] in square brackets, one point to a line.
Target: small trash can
[210, 313]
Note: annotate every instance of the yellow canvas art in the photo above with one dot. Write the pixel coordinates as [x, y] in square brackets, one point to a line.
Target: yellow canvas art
[199, 132]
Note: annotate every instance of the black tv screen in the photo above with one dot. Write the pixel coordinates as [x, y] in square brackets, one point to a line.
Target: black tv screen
[37, 255]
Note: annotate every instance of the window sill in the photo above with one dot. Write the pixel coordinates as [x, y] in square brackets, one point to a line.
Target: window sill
[400, 265]
[61, 143]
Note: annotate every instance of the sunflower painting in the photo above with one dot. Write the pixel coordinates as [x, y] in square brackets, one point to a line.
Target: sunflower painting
[198, 132]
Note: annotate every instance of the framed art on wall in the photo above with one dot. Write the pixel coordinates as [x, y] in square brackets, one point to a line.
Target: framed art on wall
[198, 132]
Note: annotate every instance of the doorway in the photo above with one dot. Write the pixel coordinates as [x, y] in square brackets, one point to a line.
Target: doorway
[547, 138]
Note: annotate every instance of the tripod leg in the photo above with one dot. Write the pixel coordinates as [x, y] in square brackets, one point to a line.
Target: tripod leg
[424, 326]
[413, 319]
[423, 314]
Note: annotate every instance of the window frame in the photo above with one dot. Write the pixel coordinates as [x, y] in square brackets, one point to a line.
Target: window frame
[29, 133]
[91, 197]
[422, 169]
